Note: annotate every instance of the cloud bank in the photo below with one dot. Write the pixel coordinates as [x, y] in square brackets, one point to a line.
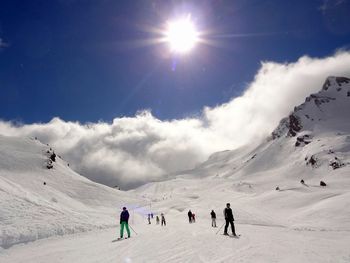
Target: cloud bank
[132, 151]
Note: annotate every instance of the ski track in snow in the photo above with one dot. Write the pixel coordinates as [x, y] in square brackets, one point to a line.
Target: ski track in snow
[184, 242]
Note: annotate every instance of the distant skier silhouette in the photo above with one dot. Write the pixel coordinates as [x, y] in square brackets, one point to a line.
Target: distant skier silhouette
[189, 216]
[213, 218]
[163, 219]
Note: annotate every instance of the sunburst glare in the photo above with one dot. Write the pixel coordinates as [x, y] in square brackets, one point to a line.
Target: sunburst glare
[181, 35]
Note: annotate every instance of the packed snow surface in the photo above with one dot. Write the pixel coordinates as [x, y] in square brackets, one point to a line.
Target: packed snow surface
[297, 224]
[280, 219]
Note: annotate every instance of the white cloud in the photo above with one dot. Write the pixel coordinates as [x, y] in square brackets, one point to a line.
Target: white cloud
[134, 150]
[276, 89]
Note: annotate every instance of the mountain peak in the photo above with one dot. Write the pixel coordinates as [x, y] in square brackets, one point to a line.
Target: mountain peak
[325, 109]
[332, 81]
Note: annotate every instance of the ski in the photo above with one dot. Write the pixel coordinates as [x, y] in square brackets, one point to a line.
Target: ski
[237, 236]
[120, 239]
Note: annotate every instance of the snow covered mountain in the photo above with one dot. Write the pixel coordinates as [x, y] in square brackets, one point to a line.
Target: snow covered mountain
[41, 196]
[315, 135]
[280, 218]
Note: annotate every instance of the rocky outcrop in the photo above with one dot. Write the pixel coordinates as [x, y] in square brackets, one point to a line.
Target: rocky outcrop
[294, 125]
[338, 80]
[312, 161]
[303, 140]
[336, 163]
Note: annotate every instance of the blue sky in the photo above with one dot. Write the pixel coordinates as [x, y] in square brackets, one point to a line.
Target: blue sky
[86, 60]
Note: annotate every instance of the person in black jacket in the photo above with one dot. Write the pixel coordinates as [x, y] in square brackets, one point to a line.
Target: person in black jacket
[124, 219]
[213, 218]
[163, 219]
[229, 219]
[189, 216]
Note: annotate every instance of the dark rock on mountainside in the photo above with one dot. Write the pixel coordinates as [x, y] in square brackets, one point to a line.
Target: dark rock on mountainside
[303, 140]
[336, 163]
[339, 80]
[294, 125]
[312, 161]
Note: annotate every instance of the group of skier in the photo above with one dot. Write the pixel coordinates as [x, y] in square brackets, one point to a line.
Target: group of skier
[124, 218]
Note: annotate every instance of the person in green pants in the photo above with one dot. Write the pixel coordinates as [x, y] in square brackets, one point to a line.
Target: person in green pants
[124, 218]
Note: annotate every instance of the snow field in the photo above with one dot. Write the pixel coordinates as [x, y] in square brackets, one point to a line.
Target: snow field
[271, 231]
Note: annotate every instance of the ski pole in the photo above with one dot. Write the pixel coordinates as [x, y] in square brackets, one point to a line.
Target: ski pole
[132, 229]
[220, 228]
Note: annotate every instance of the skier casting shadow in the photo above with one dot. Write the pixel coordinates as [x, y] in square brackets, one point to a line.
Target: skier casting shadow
[124, 218]
[229, 220]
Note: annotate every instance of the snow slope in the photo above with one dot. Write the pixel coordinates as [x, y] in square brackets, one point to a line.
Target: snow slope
[272, 225]
[297, 223]
[66, 203]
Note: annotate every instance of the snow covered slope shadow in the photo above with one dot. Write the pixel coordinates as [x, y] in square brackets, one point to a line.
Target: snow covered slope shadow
[41, 196]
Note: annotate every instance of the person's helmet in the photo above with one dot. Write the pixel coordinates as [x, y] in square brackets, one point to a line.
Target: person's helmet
[124, 208]
[228, 204]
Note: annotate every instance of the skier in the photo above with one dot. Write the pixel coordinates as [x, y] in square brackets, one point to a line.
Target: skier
[124, 218]
[163, 219]
[157, 220]
[189, 216]
[149, 219]
[229, 220]
[193, 218]
[213, 218]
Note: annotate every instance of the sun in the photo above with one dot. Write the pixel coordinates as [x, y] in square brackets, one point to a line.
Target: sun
[181, 35]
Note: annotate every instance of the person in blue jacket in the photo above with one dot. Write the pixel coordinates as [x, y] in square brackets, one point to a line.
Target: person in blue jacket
[124, 218]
